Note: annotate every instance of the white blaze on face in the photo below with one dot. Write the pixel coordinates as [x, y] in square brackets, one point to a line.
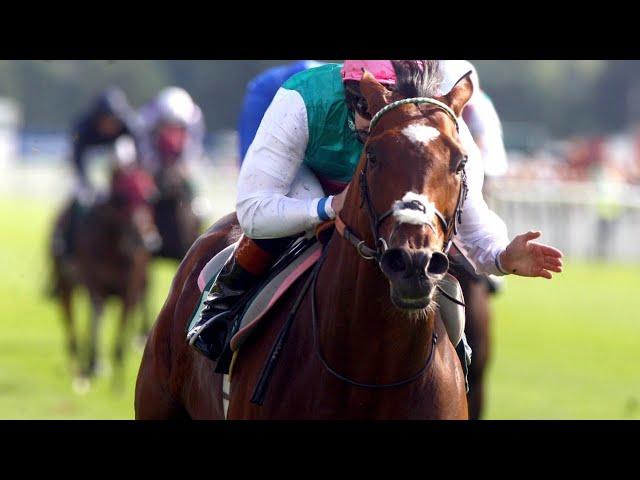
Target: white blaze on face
[414, 217]
[422, 134]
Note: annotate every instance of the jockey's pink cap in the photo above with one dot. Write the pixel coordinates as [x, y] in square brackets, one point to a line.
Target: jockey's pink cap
[382, 70]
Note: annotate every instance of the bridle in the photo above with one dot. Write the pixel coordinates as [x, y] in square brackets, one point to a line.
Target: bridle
[450, 226]
[368, 253]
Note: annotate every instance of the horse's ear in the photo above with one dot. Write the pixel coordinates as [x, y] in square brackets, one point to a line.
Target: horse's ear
[376, 95]
[460, 94]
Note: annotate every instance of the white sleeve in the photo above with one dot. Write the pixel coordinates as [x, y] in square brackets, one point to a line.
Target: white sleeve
[481, 231]
[269, 169]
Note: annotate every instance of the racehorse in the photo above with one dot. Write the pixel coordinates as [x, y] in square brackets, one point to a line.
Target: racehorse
[367, 341]
[177, 224]
[109, 259]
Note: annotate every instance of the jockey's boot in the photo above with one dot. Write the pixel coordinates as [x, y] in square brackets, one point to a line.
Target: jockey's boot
[453, 314]
[249, 262]
[463, 349]
[494, 284]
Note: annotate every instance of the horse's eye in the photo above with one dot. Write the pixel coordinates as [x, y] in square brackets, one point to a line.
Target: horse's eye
[461, 163]
[371, 158]
[363, 108]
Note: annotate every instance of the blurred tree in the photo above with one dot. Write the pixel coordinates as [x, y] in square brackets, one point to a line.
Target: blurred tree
[567, 97]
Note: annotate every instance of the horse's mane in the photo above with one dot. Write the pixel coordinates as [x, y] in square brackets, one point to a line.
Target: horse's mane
[421, 78]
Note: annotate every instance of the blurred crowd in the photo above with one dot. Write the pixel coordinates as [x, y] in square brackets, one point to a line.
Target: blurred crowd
[583, 159]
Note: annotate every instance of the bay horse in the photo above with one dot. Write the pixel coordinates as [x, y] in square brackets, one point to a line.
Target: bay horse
[110, 258]
[176, 221]
[367, 341]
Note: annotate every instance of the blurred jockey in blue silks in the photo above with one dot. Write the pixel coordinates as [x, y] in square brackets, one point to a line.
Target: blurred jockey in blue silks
[108, 118]
[260, 93]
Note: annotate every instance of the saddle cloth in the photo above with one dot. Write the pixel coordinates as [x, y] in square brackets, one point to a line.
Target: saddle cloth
[269, 293]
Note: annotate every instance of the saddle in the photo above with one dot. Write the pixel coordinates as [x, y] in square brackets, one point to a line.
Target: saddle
[299, 258]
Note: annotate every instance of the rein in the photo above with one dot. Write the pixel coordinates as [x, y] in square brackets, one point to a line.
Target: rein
[316, 343]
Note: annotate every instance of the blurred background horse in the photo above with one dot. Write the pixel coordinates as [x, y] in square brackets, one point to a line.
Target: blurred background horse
[113, 239]
[177, 223]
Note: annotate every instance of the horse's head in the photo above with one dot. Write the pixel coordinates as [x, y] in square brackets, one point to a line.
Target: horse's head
[411, 179]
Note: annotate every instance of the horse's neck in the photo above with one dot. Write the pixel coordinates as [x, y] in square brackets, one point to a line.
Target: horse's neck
[361, 333]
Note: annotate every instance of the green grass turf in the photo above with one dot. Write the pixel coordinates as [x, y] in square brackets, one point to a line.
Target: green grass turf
[35, 376]
[568, 348]
[563, 349]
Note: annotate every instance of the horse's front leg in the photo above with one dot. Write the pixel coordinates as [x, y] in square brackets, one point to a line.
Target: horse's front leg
[97, 307]
[66, 300]
[118, 350]
[145, 325]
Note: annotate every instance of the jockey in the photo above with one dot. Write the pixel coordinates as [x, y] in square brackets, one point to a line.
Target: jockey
[260, 93]
[109, 117]
[309, 144]
[173, 130]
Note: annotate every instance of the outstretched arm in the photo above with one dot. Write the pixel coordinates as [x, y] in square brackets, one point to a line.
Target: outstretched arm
[484, 234]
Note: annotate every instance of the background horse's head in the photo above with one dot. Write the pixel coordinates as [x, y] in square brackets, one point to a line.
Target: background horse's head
[132, 192]
[411, 178]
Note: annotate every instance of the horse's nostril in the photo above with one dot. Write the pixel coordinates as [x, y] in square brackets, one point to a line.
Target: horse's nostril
[393, 262]
[396, 264]
[438, 264]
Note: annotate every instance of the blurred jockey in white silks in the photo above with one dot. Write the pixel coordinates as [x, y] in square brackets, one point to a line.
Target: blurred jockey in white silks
[173, 141]
[173, 130]
[486, 129]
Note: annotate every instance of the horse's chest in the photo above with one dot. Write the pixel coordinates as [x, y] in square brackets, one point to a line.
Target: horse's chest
[302, 388]
[305, 391]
